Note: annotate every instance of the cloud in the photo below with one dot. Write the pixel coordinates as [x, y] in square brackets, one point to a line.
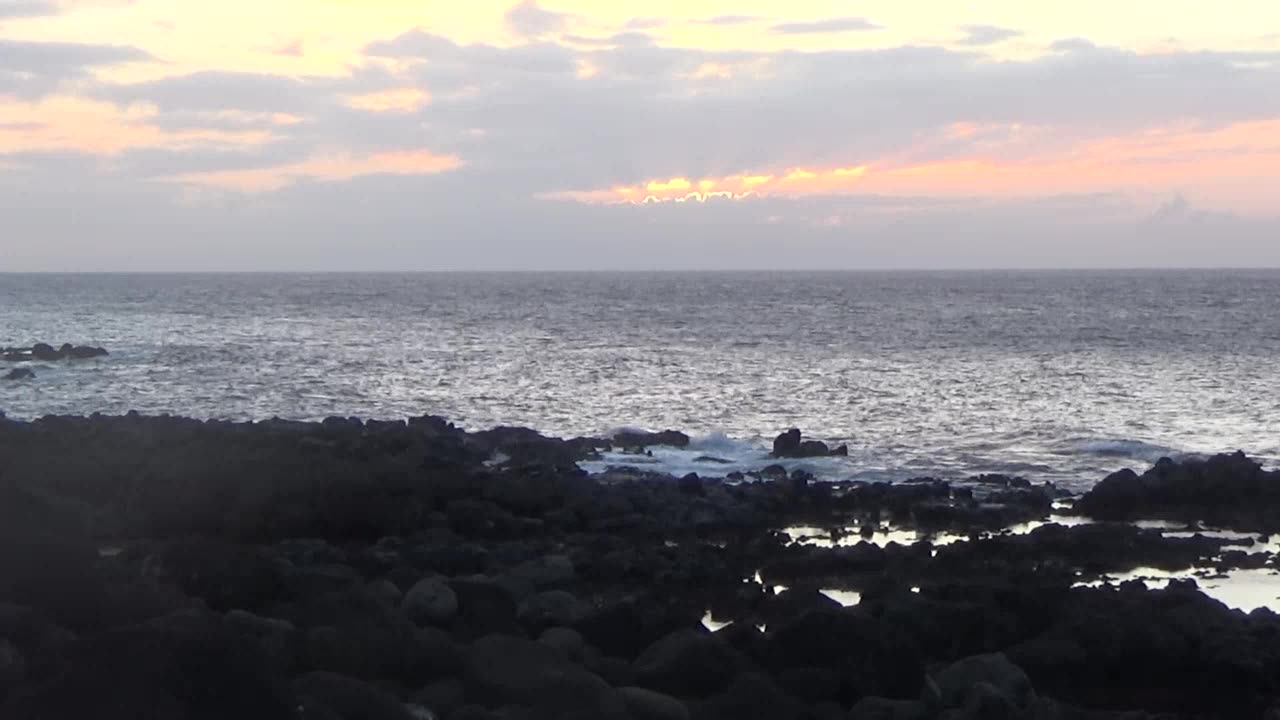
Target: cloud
[326, 168]
[641, 117]
[981, 35]
[645, 23]
[830, 25]
[27, 8]
[528, 19]
[439, 222]
[33, 69]
[450, 151]
[1070, 45]
[729, 20]
[292, 49]
[216, 91]
[623, 112]
[635, 39]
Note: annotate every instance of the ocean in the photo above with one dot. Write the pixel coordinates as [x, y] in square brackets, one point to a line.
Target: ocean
[1061, 376]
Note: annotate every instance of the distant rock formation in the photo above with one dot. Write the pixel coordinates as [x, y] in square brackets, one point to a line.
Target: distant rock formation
[790, 444]
[633, 439]
[44, 352]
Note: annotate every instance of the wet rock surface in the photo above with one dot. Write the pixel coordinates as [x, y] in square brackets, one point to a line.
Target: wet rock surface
[162, 567]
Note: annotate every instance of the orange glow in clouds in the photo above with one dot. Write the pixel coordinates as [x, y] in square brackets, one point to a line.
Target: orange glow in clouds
[794, 182]
[1229, 167]
[402, 100]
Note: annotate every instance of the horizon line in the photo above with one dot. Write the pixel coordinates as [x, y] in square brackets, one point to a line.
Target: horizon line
[667, 271]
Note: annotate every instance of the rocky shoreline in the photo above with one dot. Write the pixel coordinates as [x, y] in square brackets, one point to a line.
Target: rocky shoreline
[361, 570]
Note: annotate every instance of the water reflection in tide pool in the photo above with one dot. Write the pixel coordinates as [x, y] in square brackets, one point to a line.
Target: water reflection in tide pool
[1245, 590]
[883, 535]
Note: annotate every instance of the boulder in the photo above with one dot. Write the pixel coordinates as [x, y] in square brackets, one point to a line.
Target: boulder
[568, 641]
[41, 646]
[278, 639]
[994, 672]
[878, 708]
[13, 668]
[430, 601]
[354, 634]
[502, 670]
[987, 702]
[637, 439]
[20, 374]
[787, 444]
[875, 658]
[552, 608]
[1227, 490]
[181, 666]
[811, 684]
[45, 353]
[751, 695]
[649, 705]
[485, 607]
[386, 592]
[349, 698]
[441, 697]
[545, 571]
[688, 663]
[791, 444]
[77, 352]
[225, 575]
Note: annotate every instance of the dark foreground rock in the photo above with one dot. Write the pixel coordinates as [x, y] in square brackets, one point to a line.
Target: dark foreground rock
[168, 568]
[20, 374]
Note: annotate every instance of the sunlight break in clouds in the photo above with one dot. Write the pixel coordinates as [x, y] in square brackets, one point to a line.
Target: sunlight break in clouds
[790, 183]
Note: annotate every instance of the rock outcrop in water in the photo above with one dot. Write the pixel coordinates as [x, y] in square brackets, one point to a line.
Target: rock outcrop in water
[47, 353]
[636, 439]
[791, 444]
[1224, 490]
[161, 567]
[20, 374]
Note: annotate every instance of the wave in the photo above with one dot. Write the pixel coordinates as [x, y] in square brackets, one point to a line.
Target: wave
[1123, 448]
[719, 442]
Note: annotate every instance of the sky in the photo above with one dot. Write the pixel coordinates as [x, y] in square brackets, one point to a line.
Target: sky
[156, 135]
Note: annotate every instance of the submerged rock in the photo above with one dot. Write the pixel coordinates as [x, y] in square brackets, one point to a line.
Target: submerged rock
[20, 374]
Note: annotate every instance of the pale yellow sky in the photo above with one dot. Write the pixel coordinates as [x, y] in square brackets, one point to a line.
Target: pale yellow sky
[243, 35]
